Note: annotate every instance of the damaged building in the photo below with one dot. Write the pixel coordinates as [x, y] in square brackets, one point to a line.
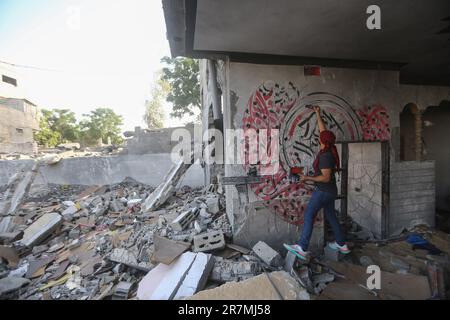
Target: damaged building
[386, 101]
[19, 118]
[137, 225]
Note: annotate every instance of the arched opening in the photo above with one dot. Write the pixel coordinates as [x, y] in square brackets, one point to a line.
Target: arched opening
[410, 133]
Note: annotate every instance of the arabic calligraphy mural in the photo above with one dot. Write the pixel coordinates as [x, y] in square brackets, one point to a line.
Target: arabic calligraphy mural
[274, 106]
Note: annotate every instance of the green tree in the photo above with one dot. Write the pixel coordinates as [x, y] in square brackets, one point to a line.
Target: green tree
[182, 74]
[46, 136]
[154, 113]
[64, 122]
[101, 123]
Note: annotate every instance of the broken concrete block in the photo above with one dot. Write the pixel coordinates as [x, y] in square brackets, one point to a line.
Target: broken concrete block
[21, 189]
[128, 258]
[209, 241]
[198, 228]
[225, 270]
[274, 286]
[213, 205]
[332, 255]
[167, 187]
[122, 291]
[267, 254]
[151, 281]
[289, 261]
[40, 229]
[69, 211]
[163, 281]
[166, 251]
[11, 284]
[172, 281]
[196, 277]
[184, 219]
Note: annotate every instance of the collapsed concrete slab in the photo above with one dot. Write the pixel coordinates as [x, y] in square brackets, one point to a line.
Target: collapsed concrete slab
[162, 283]
[196, 277]
[40, 229]
[166, 251]
[184, 219]
[274, 286]
[167, 187]
[227, 270]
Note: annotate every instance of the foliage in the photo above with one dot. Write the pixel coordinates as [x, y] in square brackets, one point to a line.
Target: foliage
[182, 74]
[46, 136]
[154, 114]
[101, 123]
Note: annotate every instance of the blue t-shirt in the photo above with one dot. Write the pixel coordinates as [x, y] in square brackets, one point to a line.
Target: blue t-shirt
[326, 161]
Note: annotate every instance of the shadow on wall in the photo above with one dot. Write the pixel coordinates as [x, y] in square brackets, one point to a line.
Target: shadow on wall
[436, 131]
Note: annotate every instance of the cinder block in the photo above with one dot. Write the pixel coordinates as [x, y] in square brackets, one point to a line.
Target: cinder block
[267, 254]
[209, 241]
[332, 255]
[184, 219]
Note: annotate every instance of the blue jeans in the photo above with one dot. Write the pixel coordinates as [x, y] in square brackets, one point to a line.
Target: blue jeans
[318, 201]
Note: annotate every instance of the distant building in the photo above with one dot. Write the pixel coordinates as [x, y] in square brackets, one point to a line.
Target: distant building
[19, 118]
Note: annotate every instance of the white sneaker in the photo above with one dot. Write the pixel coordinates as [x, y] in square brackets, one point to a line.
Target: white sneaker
[297, 250]
[342, 249]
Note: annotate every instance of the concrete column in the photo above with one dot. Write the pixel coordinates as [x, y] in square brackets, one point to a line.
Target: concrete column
[418, 132]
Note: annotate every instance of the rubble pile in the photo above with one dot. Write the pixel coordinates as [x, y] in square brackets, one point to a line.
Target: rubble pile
[78, 242]
[101, 242]
[64, 151]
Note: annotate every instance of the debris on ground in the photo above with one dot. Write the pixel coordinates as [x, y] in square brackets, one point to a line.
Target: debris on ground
[99, 242]
[268, 286]
[124, 241]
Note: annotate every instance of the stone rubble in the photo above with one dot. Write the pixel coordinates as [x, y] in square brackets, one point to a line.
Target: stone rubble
[99, 242]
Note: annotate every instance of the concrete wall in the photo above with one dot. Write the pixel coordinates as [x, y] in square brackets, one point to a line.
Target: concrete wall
[361, 105]
[412, 195]
[149, 169]
[437, 129]
[7, 90]
[364, 191]
[153, 141]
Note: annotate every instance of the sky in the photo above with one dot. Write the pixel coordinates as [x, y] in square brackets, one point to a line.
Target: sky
[95, 53]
